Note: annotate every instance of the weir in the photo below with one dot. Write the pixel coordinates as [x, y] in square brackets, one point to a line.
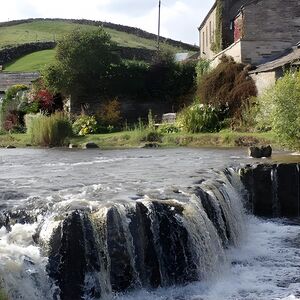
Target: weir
[96, 252]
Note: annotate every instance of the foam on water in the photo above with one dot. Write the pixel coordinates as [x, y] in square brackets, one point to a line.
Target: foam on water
[23, 265]
[264, 267]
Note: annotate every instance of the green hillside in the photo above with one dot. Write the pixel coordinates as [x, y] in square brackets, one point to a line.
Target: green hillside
[32, 62]
[44, 30]
[52, 30]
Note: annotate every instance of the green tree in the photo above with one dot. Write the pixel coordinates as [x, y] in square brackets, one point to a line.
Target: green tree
[83, 62]
[279, 108]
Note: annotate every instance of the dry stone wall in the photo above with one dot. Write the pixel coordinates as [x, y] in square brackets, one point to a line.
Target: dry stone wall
[9, 54]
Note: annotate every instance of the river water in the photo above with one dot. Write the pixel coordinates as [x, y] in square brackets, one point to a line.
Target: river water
[265, 264]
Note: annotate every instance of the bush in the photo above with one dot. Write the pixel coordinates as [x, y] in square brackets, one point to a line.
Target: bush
[53, 130]
[10, 117]
[199, 118]
[279, 109]
[168, 128]
[151, 136]
[110, 113]
[202, 68]
[85, 124]
[228, 84]
[41, 98]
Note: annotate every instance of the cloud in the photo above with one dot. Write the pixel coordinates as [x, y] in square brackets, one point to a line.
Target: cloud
[179, 18]
[132, 8]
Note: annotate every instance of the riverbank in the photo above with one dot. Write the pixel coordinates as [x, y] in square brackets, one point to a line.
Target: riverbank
[135, 139]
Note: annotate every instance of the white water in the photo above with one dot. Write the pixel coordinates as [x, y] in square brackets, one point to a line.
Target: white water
[266, 266]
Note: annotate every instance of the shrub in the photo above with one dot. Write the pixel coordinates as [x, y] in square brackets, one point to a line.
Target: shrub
[85, 124]
[202, 68]
[279, 109]
[228, 84]
[168, 128]
[42, 98]
[110, 113]
[151, 136]
[53, 130]
[10, 117]
[199, 118]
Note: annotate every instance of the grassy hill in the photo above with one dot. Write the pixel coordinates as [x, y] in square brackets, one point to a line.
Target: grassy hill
[32, 62]
[43, 30]
[33, 30]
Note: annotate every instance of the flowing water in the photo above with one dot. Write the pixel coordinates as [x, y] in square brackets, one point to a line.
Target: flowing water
[107, 206]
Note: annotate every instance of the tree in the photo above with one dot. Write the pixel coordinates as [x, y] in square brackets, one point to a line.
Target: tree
[279, 108]
[83, 62]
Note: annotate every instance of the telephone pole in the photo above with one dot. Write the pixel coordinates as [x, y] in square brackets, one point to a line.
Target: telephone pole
[158, 34]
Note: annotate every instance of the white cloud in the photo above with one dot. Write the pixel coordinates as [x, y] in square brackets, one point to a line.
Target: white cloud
[179, 18]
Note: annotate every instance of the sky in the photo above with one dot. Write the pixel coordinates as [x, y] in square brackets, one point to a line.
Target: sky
[179, 18]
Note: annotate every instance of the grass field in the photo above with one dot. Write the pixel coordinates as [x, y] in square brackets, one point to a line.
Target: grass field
[53, 30]
[32, 62]
[48, 30]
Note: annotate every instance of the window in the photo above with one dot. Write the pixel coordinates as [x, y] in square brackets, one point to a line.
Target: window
[203, 42]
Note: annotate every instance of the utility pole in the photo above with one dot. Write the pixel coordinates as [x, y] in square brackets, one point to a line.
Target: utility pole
[158, 34]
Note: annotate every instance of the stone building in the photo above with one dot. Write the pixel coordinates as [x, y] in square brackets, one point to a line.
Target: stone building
[251, 31]
[265, 75]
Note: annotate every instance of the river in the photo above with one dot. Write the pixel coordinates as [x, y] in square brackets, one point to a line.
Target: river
[262, 264]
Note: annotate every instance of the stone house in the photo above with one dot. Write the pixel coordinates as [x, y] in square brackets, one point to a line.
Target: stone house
[8, 79]
[265, 75]
[251, 31]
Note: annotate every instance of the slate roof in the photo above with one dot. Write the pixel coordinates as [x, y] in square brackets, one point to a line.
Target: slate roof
[7, 79]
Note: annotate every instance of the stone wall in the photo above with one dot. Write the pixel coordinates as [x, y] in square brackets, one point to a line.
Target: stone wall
[272, 190]
[264, 81]
[130, 107]
[9, 54]
[136, 53]
[258, 52]
[270, 27]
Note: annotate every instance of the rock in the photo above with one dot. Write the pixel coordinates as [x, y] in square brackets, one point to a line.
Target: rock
[121, 271]
[90, 145]
[151, 145]
[263, 151]
[287, 189]
[146, 257]
[73, 255]
[10, 147]
[73, 146]
[254, 152]
[266, 151]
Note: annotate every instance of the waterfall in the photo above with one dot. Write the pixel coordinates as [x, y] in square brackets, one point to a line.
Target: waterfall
[76, 250]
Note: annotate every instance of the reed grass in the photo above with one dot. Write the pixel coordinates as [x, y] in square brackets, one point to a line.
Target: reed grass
[48, 131]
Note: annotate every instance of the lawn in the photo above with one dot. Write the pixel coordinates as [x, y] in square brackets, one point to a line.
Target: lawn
[32, 62]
